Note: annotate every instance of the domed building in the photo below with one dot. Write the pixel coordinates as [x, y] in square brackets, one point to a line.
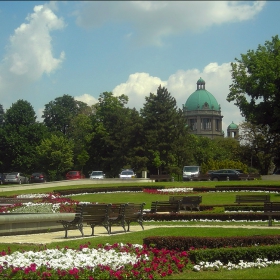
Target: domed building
[233, 130]
[203, 113]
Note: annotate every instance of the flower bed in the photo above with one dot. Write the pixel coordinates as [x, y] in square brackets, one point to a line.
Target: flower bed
[116, 261]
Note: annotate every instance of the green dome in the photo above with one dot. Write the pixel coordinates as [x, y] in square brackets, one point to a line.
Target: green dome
[202, 99]
[233, 126]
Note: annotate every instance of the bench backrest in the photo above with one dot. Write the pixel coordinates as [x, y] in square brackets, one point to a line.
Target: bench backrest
[133, 210]
[117, 209]
[271, 207]
[252, 198]
[165, 206]
[192, 200]
[95, 212]
[175, 198]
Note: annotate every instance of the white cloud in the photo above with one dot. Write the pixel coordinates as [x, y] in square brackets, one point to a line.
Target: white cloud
[86, 98]
[137, 87]
[151, 21]
[29, 53]
[181, 85]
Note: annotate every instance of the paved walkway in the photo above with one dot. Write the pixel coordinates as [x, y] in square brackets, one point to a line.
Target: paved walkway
[58, 236]
[45, 238]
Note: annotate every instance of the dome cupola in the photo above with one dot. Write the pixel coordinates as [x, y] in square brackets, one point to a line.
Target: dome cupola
[201, 99]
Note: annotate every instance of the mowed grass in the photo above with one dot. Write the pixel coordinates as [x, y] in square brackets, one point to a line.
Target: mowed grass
[164, 229]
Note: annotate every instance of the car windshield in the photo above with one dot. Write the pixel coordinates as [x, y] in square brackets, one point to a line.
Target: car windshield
[127, 173]
[97, 173]
[190, 168]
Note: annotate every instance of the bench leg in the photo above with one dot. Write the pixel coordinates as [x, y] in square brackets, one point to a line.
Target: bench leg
[269, 221]
[68, 227]
[92, 230]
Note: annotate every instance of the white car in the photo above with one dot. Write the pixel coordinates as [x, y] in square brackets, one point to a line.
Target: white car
[97, 175]
[127, 174]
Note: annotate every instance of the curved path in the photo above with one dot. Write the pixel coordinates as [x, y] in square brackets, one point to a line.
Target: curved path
[58, 236]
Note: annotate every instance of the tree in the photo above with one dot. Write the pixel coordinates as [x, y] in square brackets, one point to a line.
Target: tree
[20, 135]
[163, 126]
[256, 85]
[55, 155]
[59, 113]
[80, 132]
[262, 146]
[111, 147]
[20, 113]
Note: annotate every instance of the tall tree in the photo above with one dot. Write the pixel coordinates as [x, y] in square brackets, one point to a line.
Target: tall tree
[59, 113]
[256, 85]
[20, 135]
[163, 123]
[113, 122]
[80, 132]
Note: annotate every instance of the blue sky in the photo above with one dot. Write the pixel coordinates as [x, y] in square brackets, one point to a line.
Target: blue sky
[49, 49]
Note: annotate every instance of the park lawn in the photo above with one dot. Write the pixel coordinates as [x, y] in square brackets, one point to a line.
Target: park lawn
[208, 198]
[137, 237]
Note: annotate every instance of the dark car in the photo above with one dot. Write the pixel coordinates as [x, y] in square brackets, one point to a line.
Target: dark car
[225, 175]
[71, 175]
[2, 178]
[38, 177]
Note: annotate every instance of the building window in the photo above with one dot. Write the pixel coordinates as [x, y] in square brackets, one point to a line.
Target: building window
[193, 124]
[218, 125]
[206, 124]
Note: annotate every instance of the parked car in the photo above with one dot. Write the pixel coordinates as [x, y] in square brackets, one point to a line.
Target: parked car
[16, 178]
[97, 175]
[71, 175]
[224, 175]
[38, 177]
[2, 178]
[127, 174]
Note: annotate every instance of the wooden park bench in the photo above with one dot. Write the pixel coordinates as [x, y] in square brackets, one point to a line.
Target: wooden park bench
[125, 213]
[165, 206]
[187, 201]
[76, 223]
[96, 215]
[272, 209]
[117, 215]
[134, 213]
[161, 177]
[191, 202]
[251, 198]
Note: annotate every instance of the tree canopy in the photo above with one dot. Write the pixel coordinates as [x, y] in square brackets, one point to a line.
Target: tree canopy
[256, 85]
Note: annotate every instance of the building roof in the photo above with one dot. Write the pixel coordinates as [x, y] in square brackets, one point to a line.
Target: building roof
[202, 99]
[233, 126]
